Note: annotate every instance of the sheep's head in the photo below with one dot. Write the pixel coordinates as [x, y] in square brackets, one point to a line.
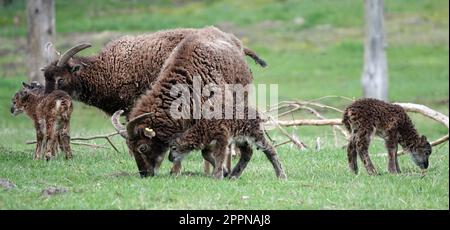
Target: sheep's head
[21, 98]
[421, 152]
[63, 73]
[179, 148]
[140, 141]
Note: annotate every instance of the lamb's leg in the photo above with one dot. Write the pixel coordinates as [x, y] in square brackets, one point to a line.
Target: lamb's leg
[362, 147]
[271, 154]
[206, 167]
[392, 146]
[208, 160]
[51, 137]
[64, 137]
[176, 168]
[39, 140]
[352, 155]
[220, 151]
[246, 153]
[56, 145]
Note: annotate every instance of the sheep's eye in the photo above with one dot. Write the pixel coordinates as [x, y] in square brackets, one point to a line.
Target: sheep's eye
[143, 148]
[60, 81]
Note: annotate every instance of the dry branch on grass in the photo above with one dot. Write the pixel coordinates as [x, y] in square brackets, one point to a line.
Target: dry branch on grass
[106, 136]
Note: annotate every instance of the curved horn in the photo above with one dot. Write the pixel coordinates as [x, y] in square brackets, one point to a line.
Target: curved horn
[117, 125]
[72, 51]
[132, 123]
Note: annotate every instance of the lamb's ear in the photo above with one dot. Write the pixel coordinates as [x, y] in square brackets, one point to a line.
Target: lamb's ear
[26, 86]
[150, 133]
[423, 139]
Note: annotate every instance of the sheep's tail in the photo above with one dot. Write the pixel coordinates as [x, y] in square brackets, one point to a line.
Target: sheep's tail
[346, 120]
[254, 56]
[65, 109]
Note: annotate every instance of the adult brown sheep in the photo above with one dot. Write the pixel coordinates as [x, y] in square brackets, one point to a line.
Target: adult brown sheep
[123, 70]
[208, 54]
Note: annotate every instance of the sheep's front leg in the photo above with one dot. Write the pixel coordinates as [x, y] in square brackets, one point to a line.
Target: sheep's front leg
[208, 160]
[392, 146]
[220, 151]
[39, 140]
[176, 168]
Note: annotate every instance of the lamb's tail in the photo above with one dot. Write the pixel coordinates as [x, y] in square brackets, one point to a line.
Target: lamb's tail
[66, 109]
[254, 56]
[346, 120]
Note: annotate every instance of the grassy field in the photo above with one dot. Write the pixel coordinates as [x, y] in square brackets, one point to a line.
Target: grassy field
[314, 49]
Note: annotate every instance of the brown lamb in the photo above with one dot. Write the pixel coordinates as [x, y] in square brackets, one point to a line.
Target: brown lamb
[366, 117]
[51, 116]
[125, 68]
[207, 54]
[214, 136]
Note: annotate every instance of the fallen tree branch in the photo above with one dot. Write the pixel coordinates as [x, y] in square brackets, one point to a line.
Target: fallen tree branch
[295, 140]
[282, 143]
[310, 122]
[74, 143]
[107, 137]
[315, 112]
[424, 110]
[88, 144]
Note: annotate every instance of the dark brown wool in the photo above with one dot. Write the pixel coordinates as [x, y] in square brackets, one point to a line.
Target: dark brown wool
[123, 70]
[365, 117]
[51, 117]
[213, 136]
[208, 54]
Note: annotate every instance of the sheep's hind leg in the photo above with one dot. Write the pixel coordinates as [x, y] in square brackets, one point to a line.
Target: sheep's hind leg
[51, 137]
[246, 153]
[271, 154]
[39, 140]
[208, 160]
[362, 147]
[352, 156]
[64, 140]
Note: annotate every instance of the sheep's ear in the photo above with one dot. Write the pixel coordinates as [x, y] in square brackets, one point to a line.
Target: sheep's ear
[424, 139]
[150, 133]
[26, 86]
[75, 68]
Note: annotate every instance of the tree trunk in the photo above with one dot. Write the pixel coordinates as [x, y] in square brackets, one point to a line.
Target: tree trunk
[41, 29]
[375, 77]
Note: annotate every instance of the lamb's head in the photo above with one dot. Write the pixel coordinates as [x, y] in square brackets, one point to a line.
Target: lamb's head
[179, 148]
[421, 152]
[63, 74]
[140, 141]
[21, 98]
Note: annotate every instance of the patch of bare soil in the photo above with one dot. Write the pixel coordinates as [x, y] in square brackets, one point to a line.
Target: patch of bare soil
[6, 184]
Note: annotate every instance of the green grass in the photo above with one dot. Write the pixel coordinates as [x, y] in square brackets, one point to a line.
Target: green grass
[323, 56]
